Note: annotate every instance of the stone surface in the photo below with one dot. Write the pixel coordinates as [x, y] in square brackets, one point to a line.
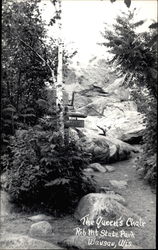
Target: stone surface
[39, 217]
[42, 228]
[105, 149]
[17, 241]
[107, 205]
[113, 153]
[106, 102]
[117, 120]
[119, 184]
[98, 149]
[140, 171]
[97, 167]
[76, 242]
[133, 137]
[88, 170]
[110, 168]
[117, 197]
[124, 150]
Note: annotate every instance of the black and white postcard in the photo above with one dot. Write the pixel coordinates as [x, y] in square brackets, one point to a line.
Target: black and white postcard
[78, 124]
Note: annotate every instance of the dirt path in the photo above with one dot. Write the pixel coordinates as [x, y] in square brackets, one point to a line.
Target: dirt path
[140, 199]
[139, 196]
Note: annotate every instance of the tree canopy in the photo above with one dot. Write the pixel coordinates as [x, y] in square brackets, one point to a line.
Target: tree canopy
[26, 55]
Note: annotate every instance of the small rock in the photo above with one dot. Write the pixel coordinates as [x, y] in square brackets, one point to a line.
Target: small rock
[110, 168]
[42, 228]
[97, 167]
[119, 184]
[88, 170]
[105, 189]
[18, 241]
[140, 171]
[39, 217]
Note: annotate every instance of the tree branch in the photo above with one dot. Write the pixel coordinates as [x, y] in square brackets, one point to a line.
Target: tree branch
[39, 56]
[103, 129]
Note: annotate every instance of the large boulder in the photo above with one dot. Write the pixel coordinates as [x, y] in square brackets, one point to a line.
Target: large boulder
[98, 149]
[109, 206]
[17, 241]
[105, 149]
[41, 228]
[134, 136]
[113, 153]
[123, 149]
[117, 120]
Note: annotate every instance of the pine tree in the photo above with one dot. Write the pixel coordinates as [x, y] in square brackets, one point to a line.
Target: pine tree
[135, 57]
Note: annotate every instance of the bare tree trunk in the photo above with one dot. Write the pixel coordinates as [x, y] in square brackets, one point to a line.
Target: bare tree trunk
[59, 85]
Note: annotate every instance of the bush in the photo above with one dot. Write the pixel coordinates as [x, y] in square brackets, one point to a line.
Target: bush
[43, 174]
[147, 104]
[148, 169]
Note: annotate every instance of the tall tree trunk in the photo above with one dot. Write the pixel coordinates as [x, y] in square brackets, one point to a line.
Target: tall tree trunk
[59, 85]
[59, 93]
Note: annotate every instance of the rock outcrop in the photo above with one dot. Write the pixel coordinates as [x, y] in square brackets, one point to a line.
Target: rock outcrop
[134, 136]
[108, 206]
[102, 96]
[105, 149]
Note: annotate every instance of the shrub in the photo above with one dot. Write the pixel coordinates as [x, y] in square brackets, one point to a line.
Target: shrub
[148, 169]
[147, 104]
[45, 174]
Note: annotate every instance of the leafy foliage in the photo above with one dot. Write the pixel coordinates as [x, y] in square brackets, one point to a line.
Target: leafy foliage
[42, 173]
[23, 72]
[135, 57]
